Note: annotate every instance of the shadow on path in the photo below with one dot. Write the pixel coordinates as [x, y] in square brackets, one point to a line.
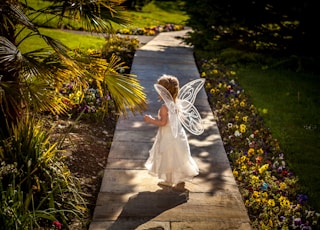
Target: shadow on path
[144, 206]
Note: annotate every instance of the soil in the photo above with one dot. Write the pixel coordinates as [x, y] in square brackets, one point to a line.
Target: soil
[86, 145]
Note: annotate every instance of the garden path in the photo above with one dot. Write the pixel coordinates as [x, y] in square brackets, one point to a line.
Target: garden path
[129, 197]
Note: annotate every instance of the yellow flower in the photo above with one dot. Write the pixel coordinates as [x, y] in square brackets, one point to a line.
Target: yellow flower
[250, 152]
[212, 91]
[236, 117]
[285, 203]
[256, 194]
[263, 168]
[203, 74]
[260, 151]
[245, 118]
[282, 186]
[235, 173]
[242, 103]
[215, 71]
[254, 179]
[271, 202]
[243, 128]
[232, 72]
[243, 159]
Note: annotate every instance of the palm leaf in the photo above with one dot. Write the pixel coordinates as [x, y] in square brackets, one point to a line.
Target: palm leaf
[10, 56]
[12, 14]
[124, 89]
[95, 15]
[43, 97]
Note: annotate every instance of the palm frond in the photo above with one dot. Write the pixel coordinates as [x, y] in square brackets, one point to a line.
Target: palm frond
[43, 97]
[95, 15]
[10, 56]
[124, 89]
[11, 13]
[55, 44]
[39, 63]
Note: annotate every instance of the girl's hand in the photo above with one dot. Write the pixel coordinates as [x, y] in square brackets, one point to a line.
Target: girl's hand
[147, 118]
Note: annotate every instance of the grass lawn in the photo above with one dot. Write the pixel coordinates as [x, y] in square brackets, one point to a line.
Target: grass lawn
[71, 40]
[290, 105]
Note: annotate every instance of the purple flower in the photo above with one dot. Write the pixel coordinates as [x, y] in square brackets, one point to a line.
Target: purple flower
[302, 198]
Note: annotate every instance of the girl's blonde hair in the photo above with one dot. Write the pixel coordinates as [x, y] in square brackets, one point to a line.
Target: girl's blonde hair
[171, 83]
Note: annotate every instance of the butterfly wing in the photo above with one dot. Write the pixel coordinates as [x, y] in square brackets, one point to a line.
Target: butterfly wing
[172, 108]
[188, 114]
[190, 90]
[190, 117]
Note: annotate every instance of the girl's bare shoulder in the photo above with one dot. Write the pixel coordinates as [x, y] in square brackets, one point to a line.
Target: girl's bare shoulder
[164, 107]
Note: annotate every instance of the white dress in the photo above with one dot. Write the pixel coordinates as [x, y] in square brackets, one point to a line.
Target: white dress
[170, 158]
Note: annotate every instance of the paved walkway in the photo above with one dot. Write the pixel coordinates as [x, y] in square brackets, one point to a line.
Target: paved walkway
[129, 197]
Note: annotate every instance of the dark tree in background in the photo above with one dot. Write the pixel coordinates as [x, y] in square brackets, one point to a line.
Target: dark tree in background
[281, 27]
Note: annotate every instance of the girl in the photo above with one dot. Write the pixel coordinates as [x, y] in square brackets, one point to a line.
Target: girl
[169, 158]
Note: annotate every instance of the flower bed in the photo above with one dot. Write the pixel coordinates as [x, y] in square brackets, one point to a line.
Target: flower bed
[151, 31]
[269, 188]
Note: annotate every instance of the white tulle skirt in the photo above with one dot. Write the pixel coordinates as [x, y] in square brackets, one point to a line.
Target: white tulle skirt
[170, 158]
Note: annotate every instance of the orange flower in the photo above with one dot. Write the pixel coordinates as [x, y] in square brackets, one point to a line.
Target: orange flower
[259, 159]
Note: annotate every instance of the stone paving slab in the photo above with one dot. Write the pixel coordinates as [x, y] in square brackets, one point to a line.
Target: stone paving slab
[164, 205]
[159, 225]
[129, 198]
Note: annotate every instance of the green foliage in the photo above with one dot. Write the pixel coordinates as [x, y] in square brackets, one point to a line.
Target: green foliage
[36, 187]
[123, 47]
[266, 26]
[152, 14]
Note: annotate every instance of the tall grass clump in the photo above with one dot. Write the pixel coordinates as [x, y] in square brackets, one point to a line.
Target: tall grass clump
[37, 189]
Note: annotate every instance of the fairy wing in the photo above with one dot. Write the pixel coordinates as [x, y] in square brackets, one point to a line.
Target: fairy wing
[190, 90]
[172, 107]
[188, 113]
[183, 110]
[189, 117]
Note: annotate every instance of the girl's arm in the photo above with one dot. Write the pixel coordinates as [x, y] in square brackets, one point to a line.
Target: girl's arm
[161, 121]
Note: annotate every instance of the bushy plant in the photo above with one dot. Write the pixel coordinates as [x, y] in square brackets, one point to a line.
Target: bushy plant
[270, 189]
[37, 189]
[96, 99]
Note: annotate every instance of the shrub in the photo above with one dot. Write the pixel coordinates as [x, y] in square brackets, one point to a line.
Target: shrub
[37, 189]
[95, 101]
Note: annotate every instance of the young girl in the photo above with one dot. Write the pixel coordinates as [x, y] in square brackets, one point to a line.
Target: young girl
[169, 158]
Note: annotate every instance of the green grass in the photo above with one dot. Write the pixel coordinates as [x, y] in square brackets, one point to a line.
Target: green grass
[153, 14]
[290, 105]
[158, 13]
[72, 40]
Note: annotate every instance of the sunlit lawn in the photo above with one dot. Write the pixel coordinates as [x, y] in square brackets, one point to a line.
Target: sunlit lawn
[72, 40]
